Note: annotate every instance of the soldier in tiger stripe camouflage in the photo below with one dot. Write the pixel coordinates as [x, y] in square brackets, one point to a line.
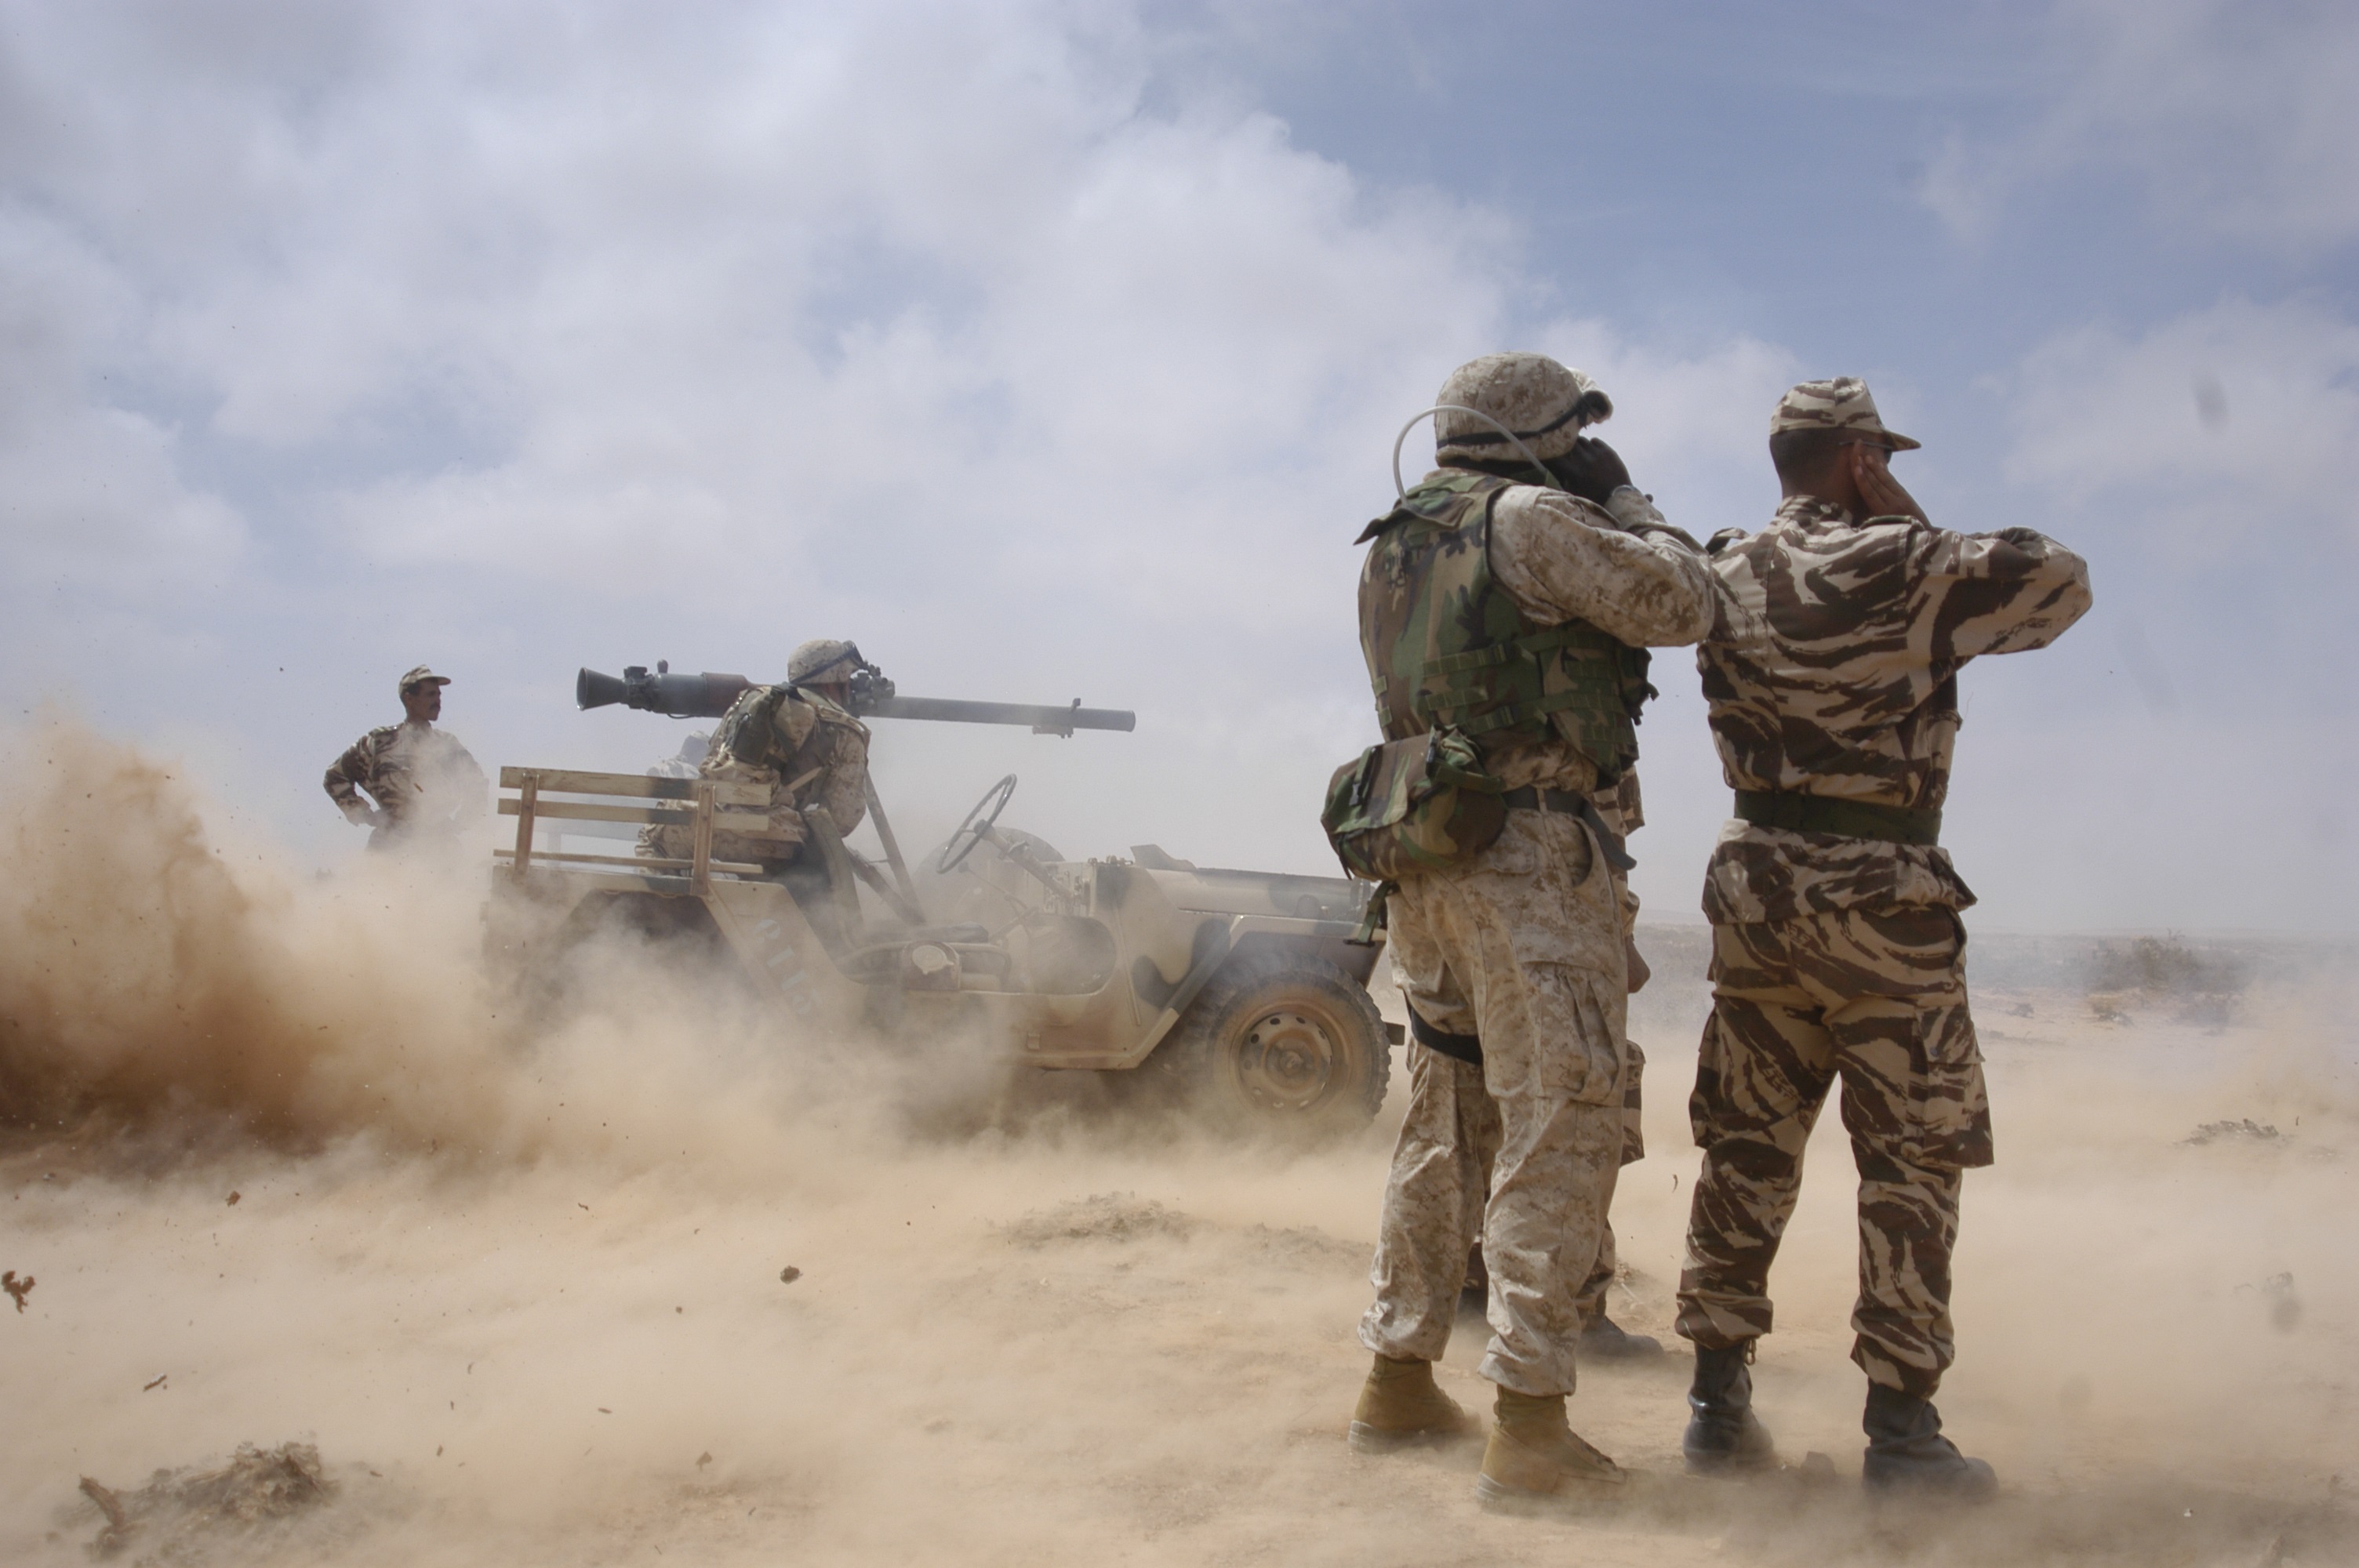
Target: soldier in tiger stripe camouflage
[1838, 951]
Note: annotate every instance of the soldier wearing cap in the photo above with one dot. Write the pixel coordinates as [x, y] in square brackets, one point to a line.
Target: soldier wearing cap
[1510, 594]
[800, 737]
[1837, 948]
[408, 782]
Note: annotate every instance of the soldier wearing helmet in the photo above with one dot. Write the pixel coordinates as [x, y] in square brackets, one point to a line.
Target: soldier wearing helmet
[800, 737]
[1510, 595]
[408, 782]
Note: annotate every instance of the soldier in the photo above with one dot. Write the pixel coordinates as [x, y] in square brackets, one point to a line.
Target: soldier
[423, 783]
[1837, 949]
[1602, 1339]
[1513, 602]
[800, 737]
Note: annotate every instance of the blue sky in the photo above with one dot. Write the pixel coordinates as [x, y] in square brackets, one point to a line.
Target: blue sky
[1054, 351]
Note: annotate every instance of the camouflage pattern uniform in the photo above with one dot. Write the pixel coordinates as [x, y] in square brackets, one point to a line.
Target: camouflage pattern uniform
[1623, 813]
[812, 751]
[1837, 947]
[422, 779]
[1521, 948]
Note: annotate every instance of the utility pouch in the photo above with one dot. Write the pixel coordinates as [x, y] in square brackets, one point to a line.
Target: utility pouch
[1407, 806]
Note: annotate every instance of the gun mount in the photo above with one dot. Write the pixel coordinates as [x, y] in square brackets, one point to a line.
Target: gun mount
[708, 695]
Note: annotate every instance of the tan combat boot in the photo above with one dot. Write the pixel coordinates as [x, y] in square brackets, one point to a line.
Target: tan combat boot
[1400, 1407]
[1533, 1452]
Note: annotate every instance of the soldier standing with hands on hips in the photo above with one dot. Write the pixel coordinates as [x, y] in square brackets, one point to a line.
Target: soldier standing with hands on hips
[409, 782]
[1837, 949]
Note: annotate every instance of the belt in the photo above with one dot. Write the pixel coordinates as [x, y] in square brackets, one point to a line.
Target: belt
[1799, 813]
[1466, 1048]
[1564, 802]
[1533, 799]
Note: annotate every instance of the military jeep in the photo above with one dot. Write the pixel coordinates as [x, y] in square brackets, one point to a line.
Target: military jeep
[1243, 988]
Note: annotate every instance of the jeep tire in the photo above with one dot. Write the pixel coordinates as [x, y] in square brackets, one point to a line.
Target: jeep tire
[1284, 1043]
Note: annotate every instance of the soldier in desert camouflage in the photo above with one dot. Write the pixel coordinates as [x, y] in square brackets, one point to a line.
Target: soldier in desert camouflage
[1837, 949]
[1603, 1339]
[798, 737]
[409, 782]
[1510, 595]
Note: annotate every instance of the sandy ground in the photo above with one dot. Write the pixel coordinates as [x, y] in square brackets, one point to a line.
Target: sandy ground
[522, 1287]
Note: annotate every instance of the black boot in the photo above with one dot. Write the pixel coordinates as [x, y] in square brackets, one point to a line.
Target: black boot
[1722, 1437]
[1906, 1451]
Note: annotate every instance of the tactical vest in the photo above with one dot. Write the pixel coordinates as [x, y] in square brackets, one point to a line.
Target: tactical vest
[1446, 646]
[750, 732]
[745, 732]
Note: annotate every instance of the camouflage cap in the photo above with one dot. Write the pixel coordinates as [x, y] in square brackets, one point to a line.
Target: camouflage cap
[1841, 403]
[421, 676]
[819, 657]
[1544, 403]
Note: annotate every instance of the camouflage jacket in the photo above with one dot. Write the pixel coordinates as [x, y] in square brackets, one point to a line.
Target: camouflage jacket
[1843, 682]
[1620, 567]
[416, 775]
[800, 740]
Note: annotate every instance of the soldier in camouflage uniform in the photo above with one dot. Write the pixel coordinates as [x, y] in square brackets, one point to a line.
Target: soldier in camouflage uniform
[409, 782]
[1837, 949]
[1510, 595]
[1603, 1339]
[801, 739]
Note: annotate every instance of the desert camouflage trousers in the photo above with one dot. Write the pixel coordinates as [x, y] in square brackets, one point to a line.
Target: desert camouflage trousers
[1521, 948]
[1590, 1298]
[1876, 997]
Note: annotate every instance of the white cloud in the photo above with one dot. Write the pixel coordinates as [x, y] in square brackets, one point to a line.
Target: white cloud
[2239, 120]
[2255, 403]
[532, 331]
[90, 492]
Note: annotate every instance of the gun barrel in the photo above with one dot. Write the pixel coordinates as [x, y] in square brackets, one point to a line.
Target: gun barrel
[708, 696]
[1042, 720]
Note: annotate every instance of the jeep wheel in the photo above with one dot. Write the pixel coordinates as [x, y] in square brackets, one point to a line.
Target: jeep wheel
[1284, 1043]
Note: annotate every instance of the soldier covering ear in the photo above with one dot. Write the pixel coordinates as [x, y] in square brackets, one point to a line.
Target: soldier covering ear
[1497, 605]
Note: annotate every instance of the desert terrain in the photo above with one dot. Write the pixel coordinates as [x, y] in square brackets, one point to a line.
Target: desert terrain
[655, 1280]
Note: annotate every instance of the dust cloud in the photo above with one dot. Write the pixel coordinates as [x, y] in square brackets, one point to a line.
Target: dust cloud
[289, 1165]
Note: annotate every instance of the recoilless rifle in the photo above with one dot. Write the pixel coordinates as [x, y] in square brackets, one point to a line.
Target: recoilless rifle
[1243, 987]
[708, 696]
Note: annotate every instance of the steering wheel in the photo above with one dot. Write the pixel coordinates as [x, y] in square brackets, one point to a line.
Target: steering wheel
[977, 826]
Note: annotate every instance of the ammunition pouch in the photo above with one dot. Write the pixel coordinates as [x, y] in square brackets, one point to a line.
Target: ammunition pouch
[1414, 805]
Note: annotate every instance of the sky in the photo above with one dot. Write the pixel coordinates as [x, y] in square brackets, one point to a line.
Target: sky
[1057, 350]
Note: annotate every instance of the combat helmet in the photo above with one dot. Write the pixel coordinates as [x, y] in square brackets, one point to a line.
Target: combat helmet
[1544, 403]
[820, 659]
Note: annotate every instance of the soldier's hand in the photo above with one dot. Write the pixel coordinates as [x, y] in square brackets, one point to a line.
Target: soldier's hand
[1591, 470]
[1883, 495]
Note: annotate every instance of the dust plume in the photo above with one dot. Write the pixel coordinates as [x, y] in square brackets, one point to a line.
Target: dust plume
[163, 984]
[647, 1278]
